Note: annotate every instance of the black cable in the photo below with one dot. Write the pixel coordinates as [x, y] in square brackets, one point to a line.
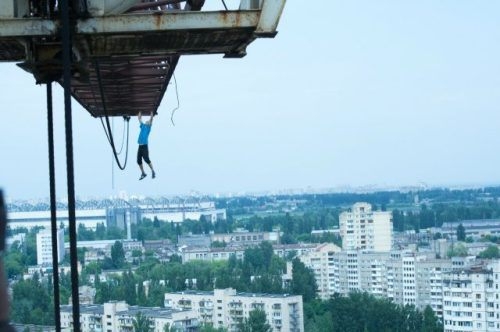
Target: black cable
[123, 135]
[224, 3]
[66, 56]
[109, 132]
[53, 216]
[126, 119]
[176, 108]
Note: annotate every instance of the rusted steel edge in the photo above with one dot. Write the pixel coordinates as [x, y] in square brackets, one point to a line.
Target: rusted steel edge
[168, 21]
[23, 27]
[130, 23]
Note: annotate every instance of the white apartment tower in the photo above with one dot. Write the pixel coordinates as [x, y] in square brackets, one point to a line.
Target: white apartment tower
[44, 246]
[356, 270]
[471, 299]
[362, 228]
[401, 276]
[321, 262]
[225, 308]
[372, 273]
[346, 272]
[416, 279]
[405, 277]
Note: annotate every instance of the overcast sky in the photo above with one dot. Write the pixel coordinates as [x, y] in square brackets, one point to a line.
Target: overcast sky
[349, 93]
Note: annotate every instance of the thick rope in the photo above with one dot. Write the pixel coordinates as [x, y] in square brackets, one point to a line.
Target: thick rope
[66, 56]
[53, 217]
[109, 132]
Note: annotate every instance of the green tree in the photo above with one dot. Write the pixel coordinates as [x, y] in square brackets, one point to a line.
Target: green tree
[100, 231]
[431, 322]
[31, 302]
[142, 323]
[13, 262]
[118, 255]
[168, 328]
[490, 252]
[85, 234]
[371, 314]
[457, 250]
[205, 327]
[256, 322]
[461, 232]
[303, 281]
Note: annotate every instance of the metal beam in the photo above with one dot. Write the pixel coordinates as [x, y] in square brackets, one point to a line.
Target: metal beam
[269, 18]
[27, 27]
[168, 21]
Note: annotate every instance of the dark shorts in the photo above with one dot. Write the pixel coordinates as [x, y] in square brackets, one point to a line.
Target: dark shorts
[143, 153]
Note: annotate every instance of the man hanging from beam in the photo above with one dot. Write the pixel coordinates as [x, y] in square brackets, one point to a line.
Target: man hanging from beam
[143, 151]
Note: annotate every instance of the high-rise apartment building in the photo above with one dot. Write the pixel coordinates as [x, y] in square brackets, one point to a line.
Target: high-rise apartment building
[364, 229]
[225, 308]
[321, 262]
[44, 246]
[372, 273]
[471, 299]
[346, 272]
[406, 277]
[416, 279]
[429, 277]
[357, 270]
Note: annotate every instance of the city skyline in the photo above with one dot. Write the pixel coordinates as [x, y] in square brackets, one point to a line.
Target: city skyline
[356, 94]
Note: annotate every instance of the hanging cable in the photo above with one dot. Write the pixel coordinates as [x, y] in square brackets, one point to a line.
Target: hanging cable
[224, 3]
[53, 216]
[66, 57]
[177, 107]
[107, 129]
[125, 121]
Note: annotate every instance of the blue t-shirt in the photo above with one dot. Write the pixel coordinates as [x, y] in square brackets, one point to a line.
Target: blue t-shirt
[144, 134]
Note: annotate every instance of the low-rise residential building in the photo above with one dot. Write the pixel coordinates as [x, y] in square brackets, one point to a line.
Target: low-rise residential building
[245, 238]
[100, 249]
[475, 228]
[193, 241]
[215, 254]
[86, 295]
[210, 254]
[119, 316]
[287, 250]
[226, 308]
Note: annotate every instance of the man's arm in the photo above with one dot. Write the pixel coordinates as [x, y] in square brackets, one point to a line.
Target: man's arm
[139, 117]
[151, 118]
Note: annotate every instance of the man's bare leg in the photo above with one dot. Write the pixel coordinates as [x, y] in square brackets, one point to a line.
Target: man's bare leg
[143, 175]
[153, 174]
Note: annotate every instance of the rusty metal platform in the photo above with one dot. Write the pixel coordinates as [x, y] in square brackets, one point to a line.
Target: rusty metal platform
[122, 64]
